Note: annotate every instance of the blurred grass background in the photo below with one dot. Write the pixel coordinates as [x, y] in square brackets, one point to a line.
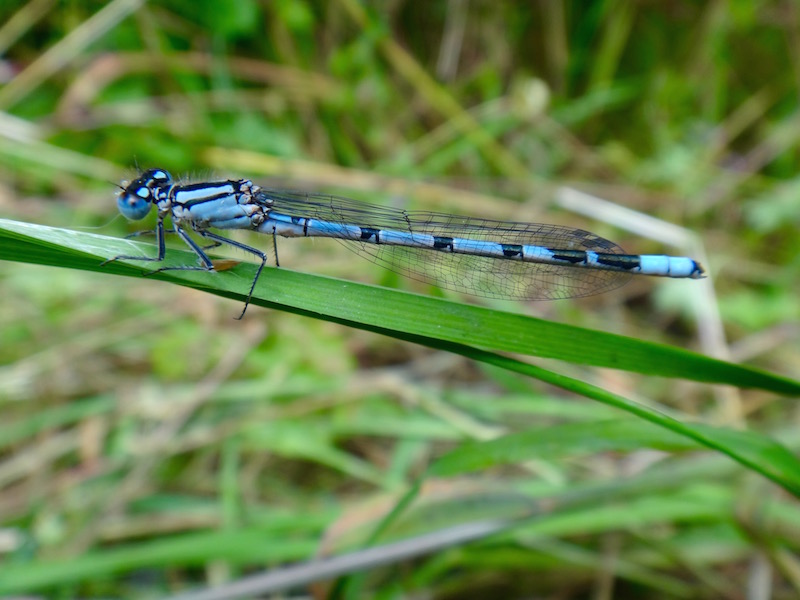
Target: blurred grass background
[151, 443]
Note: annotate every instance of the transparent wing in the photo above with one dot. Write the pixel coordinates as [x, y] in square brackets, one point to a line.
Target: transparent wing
[477, 275]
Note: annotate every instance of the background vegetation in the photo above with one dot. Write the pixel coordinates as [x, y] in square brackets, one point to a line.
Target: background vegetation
[152, 444]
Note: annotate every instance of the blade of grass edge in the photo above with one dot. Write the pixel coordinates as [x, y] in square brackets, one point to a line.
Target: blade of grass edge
[59, 248]
[366, 306]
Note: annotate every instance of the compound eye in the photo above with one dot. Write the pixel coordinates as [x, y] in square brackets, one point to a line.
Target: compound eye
[134, 203]
[158, 176]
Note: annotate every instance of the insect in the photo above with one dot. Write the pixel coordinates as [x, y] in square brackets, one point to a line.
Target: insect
[483, 257]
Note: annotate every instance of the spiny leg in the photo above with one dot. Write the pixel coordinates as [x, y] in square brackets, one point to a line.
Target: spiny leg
[136, 234]
[162, 249]
[256, 252]
[275, 245]
[207, 265]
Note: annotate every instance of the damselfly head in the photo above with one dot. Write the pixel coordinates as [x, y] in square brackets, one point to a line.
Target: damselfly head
[135, 198]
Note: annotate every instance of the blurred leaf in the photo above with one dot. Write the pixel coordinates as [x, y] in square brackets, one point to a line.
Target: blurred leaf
[776, 208]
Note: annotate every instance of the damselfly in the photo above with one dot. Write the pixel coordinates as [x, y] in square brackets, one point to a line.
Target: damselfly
[494, 259]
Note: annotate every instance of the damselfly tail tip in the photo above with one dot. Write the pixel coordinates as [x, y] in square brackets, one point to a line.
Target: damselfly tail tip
[698, 272]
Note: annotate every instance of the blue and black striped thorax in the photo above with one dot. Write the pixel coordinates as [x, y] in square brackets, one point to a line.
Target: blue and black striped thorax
[155, 187]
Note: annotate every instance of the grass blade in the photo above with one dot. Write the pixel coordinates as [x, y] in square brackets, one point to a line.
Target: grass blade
[423, 319]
